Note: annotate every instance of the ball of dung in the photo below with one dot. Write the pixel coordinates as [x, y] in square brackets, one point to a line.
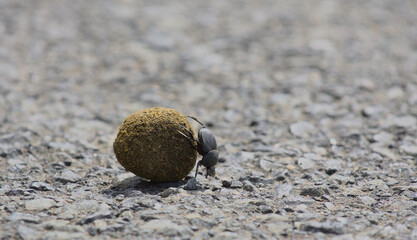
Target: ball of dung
[149, 145]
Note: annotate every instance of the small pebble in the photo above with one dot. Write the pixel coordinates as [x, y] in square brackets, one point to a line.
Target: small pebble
[39, 204]
[305, 163]
[236, 184]
[248, 186]
[192, 184]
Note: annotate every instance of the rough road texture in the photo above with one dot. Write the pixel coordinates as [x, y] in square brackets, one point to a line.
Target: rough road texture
[313, 103]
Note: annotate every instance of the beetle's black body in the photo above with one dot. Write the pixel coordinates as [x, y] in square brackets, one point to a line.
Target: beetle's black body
[206, 147]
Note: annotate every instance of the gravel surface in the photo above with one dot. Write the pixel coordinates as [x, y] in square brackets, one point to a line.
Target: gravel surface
[313, 104]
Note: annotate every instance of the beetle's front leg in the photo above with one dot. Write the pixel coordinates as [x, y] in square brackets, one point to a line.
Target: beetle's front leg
[190, 140]
[190, 137]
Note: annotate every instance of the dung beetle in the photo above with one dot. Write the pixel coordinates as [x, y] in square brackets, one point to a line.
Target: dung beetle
[206, 147]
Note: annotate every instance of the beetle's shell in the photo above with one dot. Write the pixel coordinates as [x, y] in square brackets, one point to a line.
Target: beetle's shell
[149, 145]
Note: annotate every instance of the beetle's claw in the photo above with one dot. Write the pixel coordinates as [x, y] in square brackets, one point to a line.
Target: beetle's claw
[211, 172]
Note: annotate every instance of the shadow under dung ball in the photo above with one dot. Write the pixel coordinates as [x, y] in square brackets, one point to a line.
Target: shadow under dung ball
[149, 145]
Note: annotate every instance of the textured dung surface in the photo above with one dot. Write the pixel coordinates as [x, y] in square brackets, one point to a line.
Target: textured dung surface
[312, 102]
[148, 144]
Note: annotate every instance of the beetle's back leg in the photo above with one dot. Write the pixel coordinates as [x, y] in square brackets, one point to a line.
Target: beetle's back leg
[196, 168]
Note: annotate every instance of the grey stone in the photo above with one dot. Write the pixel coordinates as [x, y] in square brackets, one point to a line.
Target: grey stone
[248, 186]
[280, 98]
[342, 180]
[257, 179]
[283, 190]
[226, 183]
[271, 218]
[168, 192]
[413, 196]
[330, 206]
[63, 235]
[27, 233]
[266, 165]
[304, 216]
[19, 191]
[305, 163]
[192, 184]
[372, 111]
[236, 184]
[63, 146]
[62, 158]
[39, 204]
[385, 152]
[352, 192]
[26, 217]
[387, 232]
[395, 93]
[245, 135]
[384, 137]
[41, 186]
[312, 156]
[11, 207]
[200, 223]
[409, 149]
[68, 176]
[135, 203]
[96, 216]
[334, 164]
[392, 181]
[166, 228]
[367, 200]
[407, 121]
[377, 184]
[315, 191]
[325, 227]
[228, 236]
[160, 40]
[62, 226]
[84, 206]
[111, 228]
[245, 156]
[265, 209]
[293, 200]
[303, 129]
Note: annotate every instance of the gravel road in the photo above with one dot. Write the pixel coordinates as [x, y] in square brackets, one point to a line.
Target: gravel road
[313, 104]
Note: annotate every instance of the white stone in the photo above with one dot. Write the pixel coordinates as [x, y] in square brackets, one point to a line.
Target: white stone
[39, 204]
[302, 129]
[306, 163]
[395, 93]
[409, 149]
[367, 200]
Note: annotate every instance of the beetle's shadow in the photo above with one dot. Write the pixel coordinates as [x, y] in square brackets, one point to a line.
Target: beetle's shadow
[132, 185]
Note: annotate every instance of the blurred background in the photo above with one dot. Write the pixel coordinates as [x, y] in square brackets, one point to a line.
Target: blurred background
[73, 70]
[318, 92]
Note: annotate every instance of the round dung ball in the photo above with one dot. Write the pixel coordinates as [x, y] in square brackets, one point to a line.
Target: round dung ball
[149, 145]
